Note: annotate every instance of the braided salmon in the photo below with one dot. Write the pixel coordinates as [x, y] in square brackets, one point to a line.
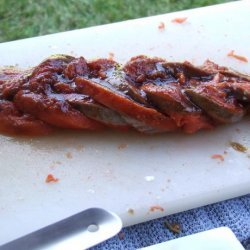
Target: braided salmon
[150, 95]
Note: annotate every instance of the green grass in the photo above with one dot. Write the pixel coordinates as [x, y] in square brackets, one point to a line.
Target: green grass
[27, 18]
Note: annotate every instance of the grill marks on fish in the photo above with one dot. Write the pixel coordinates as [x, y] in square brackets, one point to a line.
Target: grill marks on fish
[150, 95]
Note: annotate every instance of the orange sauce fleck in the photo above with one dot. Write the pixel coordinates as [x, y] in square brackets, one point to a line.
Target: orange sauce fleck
[111, 56]
[179, 20]
[51, 178]
[218, 156]
[155, 208]
[161, 26]
[238, 57]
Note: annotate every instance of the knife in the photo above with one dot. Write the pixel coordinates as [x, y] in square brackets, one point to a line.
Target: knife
[80, 231]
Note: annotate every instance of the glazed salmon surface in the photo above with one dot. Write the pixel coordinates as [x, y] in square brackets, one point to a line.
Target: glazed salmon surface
[150, 95]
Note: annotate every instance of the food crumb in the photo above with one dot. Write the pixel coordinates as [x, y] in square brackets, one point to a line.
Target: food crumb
[173, 227]
[238, 147]
[218, 156]
[155, 208]
[69, 155]
[121, 235]
[131, 211]
[122, 146]
[179, 20]
[79, 147]
[51, 178]
[111, 56]
[161, 26]
[238, 57]
[225, 152]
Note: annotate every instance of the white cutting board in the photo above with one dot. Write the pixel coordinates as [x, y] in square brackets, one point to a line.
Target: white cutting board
[127, 172]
